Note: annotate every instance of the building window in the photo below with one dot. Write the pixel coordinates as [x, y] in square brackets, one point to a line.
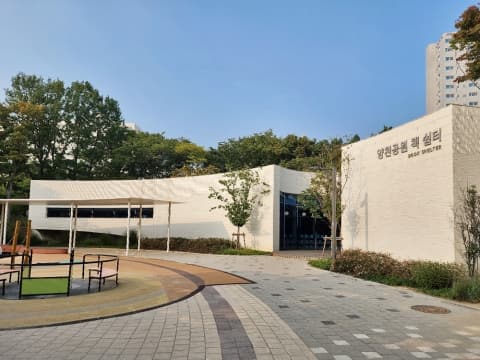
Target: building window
[102, 213]
[471, 84]
[449, 96]
[448, 86]
[448, 49]
[449, 77]
[448, 68]
[447, 41]
[473, 103]
[472, 94]
[449, 58]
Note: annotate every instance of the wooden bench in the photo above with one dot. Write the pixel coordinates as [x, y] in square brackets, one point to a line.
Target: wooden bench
[101, 271]
[101, 274]
[9, 272]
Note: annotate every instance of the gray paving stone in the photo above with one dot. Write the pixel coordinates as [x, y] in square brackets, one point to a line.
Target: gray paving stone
[188, 328]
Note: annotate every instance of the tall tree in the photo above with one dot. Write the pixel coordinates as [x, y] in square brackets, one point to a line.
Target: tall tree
[37, 105]
[190, 160]
[467, 41]
[259, 149]
[94, 128]
[13, 154]
[144, 155]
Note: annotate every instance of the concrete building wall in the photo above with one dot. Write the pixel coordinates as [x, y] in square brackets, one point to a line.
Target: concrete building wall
[399, 199]
[466, 158]
[192, 218]
[441, 70]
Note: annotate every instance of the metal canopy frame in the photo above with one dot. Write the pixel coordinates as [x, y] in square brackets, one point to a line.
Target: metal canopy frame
[75, 203]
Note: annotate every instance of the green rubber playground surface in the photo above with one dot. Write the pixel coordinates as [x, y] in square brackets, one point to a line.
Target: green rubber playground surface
[44, 286]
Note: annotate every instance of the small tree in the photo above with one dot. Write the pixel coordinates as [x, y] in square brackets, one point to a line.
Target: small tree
[468, 222]
[240, 193]
[317, 199]
[311, 201]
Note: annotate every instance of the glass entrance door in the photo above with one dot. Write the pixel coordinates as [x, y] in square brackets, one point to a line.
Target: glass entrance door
[298, 230]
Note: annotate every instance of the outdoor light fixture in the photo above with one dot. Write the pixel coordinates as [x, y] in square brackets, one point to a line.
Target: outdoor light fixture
[286, 213]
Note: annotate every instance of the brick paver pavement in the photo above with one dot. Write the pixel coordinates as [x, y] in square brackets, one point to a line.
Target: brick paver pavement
[293, 311]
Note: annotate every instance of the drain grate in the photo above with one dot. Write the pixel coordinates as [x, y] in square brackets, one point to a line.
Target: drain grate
[430, 309]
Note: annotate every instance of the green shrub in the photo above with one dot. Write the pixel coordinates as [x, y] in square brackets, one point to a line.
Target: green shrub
[59, 238]
[371, 266]
[324, 264]
[204, 246]
[467, 289]
[435, 275]
[243, 251]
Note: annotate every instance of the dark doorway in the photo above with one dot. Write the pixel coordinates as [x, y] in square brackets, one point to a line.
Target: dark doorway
[298, 230]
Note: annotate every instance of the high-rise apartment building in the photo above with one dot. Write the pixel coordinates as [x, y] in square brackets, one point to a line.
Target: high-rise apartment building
[442, 69]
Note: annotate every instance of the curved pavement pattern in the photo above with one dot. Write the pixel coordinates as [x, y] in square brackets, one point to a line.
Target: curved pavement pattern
[293, 311]
[143, 284]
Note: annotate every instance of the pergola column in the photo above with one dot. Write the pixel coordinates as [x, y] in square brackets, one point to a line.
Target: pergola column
[1, 223]
[75, 227]
[70, 233]
[168, 226]
[127, 247]
[139, 230]
[4, 224]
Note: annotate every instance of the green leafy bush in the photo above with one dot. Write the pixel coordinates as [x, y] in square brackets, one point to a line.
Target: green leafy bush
[204, 246]
[435, 275]
[324, 264]
[467, 289]
[243, 251]
[370, 265]
[59, 238]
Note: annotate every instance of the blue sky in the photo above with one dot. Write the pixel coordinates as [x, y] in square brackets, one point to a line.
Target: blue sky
[211, 70]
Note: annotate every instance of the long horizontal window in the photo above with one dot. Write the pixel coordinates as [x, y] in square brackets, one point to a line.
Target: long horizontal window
[62, 212]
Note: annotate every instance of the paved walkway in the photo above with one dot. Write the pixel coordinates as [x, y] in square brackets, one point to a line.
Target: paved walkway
[144, 284]
[292, 312]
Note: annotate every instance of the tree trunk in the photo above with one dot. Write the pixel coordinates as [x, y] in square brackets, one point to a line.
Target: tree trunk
[238, 237]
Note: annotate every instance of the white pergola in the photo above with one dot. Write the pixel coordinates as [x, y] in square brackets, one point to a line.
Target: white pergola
[75, 203]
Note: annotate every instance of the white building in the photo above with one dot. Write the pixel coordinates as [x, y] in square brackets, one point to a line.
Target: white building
[441, 70]
[132, 126]
[278, 224]
[403, 185]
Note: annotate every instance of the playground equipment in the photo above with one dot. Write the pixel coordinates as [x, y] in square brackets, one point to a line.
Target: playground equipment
[43, 285]
[61, 284]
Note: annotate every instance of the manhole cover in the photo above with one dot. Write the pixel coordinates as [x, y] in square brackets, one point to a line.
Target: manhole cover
[431, 309]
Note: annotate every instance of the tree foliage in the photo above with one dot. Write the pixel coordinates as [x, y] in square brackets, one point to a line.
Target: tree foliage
[292, 151]
[239, 194]
[468, 223]
[36, 105]
[467, 41]
[53, 130]
[317, 197]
